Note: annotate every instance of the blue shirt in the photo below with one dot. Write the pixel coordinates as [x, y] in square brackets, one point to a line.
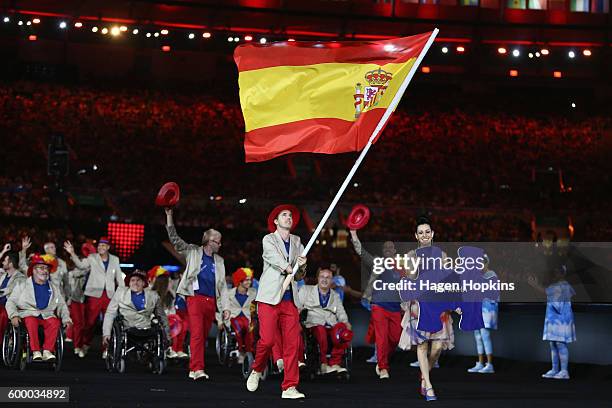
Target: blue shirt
[180, 303]
[206, 277]
[3, 285]
[387, 298]
[288, 295]
[241, 298]
[42, 293]
[106, 264]
[138, 299]
[324, 299]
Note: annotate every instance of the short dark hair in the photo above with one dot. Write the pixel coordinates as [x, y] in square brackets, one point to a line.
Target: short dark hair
[422, 220]
[13, 258]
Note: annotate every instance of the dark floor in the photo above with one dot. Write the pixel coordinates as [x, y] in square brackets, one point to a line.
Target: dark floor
[516, 385]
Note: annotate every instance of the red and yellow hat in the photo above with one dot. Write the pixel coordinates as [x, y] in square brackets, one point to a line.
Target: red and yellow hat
[241, 274]
[156, 271]
[44, 259]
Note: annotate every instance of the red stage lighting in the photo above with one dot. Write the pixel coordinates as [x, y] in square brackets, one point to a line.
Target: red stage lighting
[426, 70]
[557, 74]
[165, 48]
[513, 73]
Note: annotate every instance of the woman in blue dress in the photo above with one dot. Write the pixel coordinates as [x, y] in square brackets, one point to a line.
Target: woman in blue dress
[482, 336]
[559, 328]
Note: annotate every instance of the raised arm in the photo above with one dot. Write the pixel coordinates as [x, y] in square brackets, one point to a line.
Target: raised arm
[79, 263]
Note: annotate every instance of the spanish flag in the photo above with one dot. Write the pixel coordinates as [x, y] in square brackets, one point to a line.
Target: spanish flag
[319, 97]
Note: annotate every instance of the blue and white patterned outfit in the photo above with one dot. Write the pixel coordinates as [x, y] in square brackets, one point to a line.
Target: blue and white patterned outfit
[559, 320]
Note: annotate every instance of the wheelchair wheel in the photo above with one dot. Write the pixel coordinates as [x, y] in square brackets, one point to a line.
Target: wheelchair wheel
[348, 358]
[222, 346]
[114, 352]
[311, 356]
[11, 346]
[59, 350]
[159, 360]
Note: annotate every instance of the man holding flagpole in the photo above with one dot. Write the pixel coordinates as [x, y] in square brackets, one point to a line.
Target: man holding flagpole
[277, 307]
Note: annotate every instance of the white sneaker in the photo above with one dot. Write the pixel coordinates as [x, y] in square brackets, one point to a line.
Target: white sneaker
[377, 370]
[301, 364]
[48, 356]
[479, 366]
[181, 354]
[67, 340]
[292, 393]
[200, 374]
[253, 381]
[487, 369]
[373, 359]
[550, 374]
[104, 354]
[192, 374]
[77, 351]
[338, 369]
[415, 364]
[82, 353]
[171, 353]
[562, 375]
[36, 356]
[280, 364]
[384, 374]
[325, 369]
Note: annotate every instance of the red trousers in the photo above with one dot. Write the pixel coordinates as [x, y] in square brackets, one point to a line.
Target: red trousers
[322, 334]
[179, 340]
[244, 337]
[75, 331]
[201, 317]
[93, 308]
[3, 322]
[388, 329]
[50, 327]
[284, 315]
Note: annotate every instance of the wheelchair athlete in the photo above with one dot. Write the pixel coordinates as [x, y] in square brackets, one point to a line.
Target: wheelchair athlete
[240, 299]
[326, 319]
[36, 302]
[136, 306]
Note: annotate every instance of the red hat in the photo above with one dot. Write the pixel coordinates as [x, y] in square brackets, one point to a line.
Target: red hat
[241, 274]
[156, 271]
[343, 334]
[295, 214]
[87, 249]
[139, 274]
[176, 324]
[44, 259]
[359, 217]
[168, 195]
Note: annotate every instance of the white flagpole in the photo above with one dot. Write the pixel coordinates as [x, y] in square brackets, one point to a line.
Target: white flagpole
[381, 124]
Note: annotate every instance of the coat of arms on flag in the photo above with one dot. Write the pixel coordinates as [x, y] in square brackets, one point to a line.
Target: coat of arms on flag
[378, 80]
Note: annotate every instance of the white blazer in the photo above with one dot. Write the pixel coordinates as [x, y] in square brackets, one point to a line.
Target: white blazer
[13, 280]
[275, 262]
[193, 256]
[99, 278]
[330, 315]
[22, 302]
[121, 303]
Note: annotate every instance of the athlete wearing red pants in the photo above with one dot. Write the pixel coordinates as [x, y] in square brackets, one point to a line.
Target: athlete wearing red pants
[281, 250]
[240, 298]
[327, 320]
[204, 288]
[38, 302]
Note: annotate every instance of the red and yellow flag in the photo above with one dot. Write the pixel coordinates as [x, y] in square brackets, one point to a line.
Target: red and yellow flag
[319, 97]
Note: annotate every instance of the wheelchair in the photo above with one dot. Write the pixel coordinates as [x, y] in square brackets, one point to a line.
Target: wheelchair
[16, 352]
[226, 345]
[312, 355]
[249, 357]
[145, 345]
